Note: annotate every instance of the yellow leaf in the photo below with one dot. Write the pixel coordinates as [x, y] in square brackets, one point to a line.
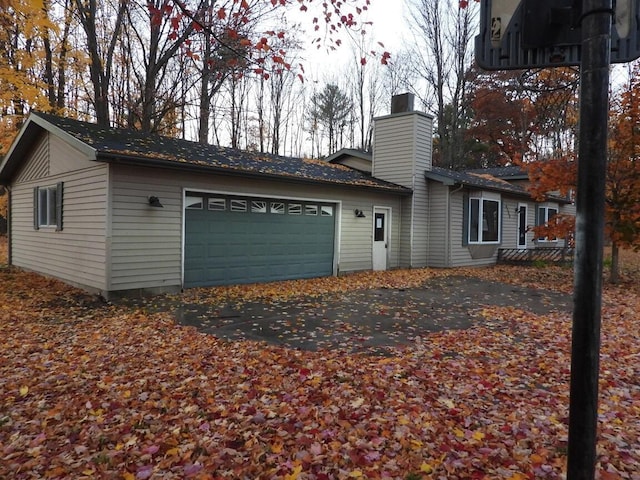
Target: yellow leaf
[356, 474]
[518, 476]
[24, 390]
[277, 447]
[128, 476]
[127, 394]
[426, 468]
[478, 435]
[294, 474]
[459, 433]
[172, 451]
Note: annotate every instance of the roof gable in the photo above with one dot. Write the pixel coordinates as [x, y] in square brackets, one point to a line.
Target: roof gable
[135, 147]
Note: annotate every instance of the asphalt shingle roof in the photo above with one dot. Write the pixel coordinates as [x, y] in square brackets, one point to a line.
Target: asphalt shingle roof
[477, 180]
[511, 171]
[142, 148]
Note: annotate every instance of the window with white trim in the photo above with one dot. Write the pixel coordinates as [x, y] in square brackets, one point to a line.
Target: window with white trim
[545, 215]
[47, 206]
[484, 219]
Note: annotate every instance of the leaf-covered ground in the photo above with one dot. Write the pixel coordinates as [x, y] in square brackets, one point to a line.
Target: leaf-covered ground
[93, 390]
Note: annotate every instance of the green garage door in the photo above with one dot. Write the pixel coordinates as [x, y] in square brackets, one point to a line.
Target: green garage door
[231, 240]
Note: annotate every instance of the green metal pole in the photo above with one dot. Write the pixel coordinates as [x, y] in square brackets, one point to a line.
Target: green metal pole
[590, 195]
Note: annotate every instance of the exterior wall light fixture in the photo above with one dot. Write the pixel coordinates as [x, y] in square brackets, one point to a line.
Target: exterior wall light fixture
[155, 202]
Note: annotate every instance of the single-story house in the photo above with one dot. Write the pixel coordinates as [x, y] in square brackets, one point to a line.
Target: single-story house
[123, 212]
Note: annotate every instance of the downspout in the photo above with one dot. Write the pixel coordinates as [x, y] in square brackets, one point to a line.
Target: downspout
[448, 229]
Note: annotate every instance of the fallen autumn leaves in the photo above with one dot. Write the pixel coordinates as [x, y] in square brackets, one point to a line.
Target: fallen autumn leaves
[91, 390]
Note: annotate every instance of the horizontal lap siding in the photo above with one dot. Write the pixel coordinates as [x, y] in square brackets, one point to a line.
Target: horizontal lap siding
[145, 241]
[402, 154]
[460, 255]
[155, 234]
[509, 223]
[77, 253]
[392, 158]
[37, 165]
[438, 225]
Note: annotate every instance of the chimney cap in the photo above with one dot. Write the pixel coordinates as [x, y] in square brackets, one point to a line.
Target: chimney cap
[402, 103]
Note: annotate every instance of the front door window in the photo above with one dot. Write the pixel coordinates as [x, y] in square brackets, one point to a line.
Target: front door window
[522, 226]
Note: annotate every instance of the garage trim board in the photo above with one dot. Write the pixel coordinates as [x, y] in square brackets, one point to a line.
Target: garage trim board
[231, 238]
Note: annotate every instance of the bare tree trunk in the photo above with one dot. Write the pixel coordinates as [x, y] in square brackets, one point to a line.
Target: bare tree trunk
[443, 58]
[101, 61]
[614, 274]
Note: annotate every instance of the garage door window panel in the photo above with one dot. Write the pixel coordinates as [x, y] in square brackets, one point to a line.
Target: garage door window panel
[326, 210]
[295, 209]
[258, 207]
[217, 204]
[238, 205]
[193, 202]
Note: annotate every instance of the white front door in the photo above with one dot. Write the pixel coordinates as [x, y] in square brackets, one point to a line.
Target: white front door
[522, 226]
[381, 219]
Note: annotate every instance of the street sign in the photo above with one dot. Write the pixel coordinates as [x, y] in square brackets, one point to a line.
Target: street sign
[501, 13]
[623, 16]
[521, 34]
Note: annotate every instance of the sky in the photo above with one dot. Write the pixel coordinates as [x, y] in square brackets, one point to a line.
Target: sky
[388, 17]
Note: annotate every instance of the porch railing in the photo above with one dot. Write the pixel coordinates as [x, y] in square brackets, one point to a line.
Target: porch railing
[530, 256]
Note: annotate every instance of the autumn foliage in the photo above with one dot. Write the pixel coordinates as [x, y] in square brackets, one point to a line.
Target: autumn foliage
[94, 390]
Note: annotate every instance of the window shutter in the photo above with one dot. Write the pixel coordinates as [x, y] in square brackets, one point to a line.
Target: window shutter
[59, 186]
[501, 222]
[539, 216]
[36, 191]
[465, 219]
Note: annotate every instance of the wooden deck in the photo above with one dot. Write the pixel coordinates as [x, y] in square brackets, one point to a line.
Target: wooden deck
[530, 256]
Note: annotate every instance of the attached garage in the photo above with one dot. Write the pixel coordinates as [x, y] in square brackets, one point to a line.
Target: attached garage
[233, 239]
[145, 214]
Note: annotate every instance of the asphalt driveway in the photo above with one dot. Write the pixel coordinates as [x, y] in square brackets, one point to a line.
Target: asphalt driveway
[368, 320]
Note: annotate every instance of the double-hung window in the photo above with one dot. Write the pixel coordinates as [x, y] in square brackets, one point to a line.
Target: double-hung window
[484, 219]
[545, 215]
[47, 206]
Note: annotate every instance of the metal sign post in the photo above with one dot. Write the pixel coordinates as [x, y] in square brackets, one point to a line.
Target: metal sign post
[520, 34]
[551, 33]
[590, 205]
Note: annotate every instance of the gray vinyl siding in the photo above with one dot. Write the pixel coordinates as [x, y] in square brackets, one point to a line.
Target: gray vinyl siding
[509, 237]
[460, 254]
[402, 147]
[77, 253]
[402, 153]
[37, 165]
[438, 225]
[420, 224]
[394, 149]
[146, 242]
[405, 235]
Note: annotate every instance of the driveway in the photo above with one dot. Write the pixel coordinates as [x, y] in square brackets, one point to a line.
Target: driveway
[368, 320]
